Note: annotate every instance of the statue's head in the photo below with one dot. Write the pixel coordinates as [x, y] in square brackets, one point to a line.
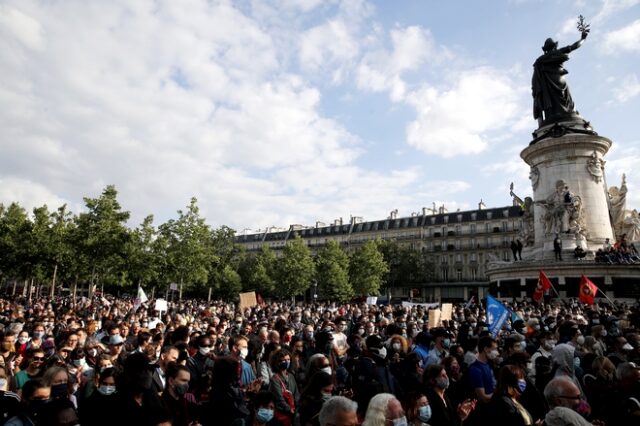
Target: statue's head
[549, 45]
[614, 191]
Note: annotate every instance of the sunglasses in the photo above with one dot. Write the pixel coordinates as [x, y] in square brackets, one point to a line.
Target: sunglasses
[37, 358]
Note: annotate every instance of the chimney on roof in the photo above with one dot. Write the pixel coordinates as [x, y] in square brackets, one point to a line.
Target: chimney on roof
[481, 205]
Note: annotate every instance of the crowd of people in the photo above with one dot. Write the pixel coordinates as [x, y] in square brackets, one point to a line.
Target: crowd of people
[108, 361]
[620, 253]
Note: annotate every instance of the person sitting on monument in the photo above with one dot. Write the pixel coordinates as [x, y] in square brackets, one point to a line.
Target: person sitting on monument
[579, 253]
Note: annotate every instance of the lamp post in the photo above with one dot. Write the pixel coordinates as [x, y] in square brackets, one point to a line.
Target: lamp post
[315, 291]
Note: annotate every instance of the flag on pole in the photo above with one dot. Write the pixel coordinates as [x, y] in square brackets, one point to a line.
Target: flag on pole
[140, 299]
[544, 284]
[469, 303]
[497, 314]
[588, 290]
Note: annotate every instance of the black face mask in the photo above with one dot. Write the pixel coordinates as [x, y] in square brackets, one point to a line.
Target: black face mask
[59, 391]
[36, 405]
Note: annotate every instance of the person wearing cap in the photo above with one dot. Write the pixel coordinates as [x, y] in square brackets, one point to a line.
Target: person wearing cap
[423, 342]
[442, 340]
[116, 342]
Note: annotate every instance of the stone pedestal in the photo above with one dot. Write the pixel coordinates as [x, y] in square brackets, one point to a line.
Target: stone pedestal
[569, 192]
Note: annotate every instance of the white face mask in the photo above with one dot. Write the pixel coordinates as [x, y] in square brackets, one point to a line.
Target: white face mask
[92, 352]
[106, 390]
[326, 370]
[204, 350]
[79, 362]
[396, 347]
[580, 340]
[243, 353]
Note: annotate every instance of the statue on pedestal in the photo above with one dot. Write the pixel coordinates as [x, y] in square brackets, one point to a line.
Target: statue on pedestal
[552, 101]
[555, 219]
[617, 205]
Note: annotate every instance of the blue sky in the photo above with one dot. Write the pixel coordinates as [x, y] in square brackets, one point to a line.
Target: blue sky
[295, 111]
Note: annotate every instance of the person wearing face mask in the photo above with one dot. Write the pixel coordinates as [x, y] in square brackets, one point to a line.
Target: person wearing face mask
[101, 408]
[200, 366]
[442, 343]
[35, 396]
[481, 377]
[183, 410]
[264, 408]
[547, 343]
[314, 395]
[9, 401]
[385, 410]
[443, 411]
[57, 378]
[565, 399]
[239, 348]
[418, 410]
[565, 362]
[372, 374]
[283, 387]
[505, 405]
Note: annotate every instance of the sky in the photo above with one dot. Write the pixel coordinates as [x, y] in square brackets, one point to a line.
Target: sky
[280, 112]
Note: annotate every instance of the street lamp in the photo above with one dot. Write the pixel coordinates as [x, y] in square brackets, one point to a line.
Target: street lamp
[315, 291]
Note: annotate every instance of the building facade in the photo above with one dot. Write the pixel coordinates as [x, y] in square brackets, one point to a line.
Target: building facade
[458, 244]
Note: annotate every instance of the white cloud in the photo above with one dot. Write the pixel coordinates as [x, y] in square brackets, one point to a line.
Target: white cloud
[612, 7]
[627, 89]
[28, 194]
[23, 27]
[625, 159]
[625, 39]
[454, 121]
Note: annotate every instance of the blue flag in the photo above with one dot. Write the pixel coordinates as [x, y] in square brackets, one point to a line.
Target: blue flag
[497, 314]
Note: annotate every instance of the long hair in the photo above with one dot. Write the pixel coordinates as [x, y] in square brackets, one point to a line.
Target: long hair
[377, 410]
[508, 381]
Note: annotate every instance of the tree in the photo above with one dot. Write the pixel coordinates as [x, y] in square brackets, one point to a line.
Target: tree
[230, 284]
[188, 247]
[406, 266]
[367, 269]
[295, 269]
[101, 235]
[15, 228]
[142, 260]
[258, 271]
[332, 271]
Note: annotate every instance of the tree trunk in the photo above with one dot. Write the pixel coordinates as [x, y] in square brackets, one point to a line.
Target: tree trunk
[153, 292]
[25, 287]
[30, 290]
[75, 289]
[180, 294]
[91, 283]
[209, 298]
[53, 281]
[15, 284]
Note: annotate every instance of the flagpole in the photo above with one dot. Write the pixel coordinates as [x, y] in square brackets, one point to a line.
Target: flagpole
[606, 297]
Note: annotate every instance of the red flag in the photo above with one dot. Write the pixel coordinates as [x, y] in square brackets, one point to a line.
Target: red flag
[544, 281]
[588, 290]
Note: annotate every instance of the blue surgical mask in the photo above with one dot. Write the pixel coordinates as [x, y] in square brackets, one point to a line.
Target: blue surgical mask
[264, 415]
[424, 413]
[522, 385]
[576, 362]
[402, 421]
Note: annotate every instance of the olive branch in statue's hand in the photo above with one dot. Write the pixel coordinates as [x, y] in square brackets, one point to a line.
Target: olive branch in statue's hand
[583, 27]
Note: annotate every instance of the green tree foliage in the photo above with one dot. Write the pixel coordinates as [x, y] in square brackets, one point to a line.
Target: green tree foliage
[295, 269]
[258, 271]
[143, 265]
[187, 246]
[101, 235]
[14, 228]
[332, 271]
[406, 266]
[367, 269]
[230, 283]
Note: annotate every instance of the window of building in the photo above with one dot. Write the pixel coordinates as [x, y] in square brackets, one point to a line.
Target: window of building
[446, 219]
[458, 230]
[444, 230]
[433, 220]
[474, 274]
[489, 215]
[445, 274]
[459, 274]
[444, 258]
[474, 216]
[505, 213]
[504, 226]
[457, 244]
[487, 227]
[459, 218]
[472, 228]
[458, 258]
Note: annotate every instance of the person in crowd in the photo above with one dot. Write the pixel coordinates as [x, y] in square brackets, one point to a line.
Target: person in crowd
[183, 409]
[417, 408]
[263, 409]
[319, 389]
[505, 406]
[283, 387]
[35, 395]
[9, 401]
[338, 411]
[101, 407]
[443, 411]
[35, 358]
[227, 401]
[567, 406]
[168, 355]
[384, 409]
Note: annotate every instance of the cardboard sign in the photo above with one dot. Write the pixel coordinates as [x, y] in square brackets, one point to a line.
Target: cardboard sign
[447, 310]
[372, 300]
[434, 318]
[173, 286]
[161, 305]
[248, 300]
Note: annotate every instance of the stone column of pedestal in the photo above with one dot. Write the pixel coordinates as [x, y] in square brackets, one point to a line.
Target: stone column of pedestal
[576, 159]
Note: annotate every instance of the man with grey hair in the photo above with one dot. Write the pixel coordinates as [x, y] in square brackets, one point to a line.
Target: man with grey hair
[338, 411]
[565, 402]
